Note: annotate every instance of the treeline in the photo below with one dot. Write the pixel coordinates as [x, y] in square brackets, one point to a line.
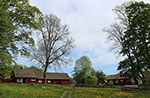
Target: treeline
[84, 74]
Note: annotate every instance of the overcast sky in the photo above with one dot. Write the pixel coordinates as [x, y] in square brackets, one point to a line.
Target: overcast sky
[86, 19]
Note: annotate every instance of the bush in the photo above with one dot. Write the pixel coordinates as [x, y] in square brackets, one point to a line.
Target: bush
[92, 80]
[110, 84]
[147, 83]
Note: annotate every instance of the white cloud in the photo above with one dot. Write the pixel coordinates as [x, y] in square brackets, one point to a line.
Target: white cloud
[86, 19]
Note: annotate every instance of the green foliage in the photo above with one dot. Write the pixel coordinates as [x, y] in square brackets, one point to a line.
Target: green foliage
[90, 79]
[5, 58]
[17, 20]
[100, 85]
[130, 69]
[35, 68]
[147, 80]
[136, 39]
[101, 76]
[131, 38]
[147, 73]
[5, 71]
[16, 66]
[82, 69]
[110, 83]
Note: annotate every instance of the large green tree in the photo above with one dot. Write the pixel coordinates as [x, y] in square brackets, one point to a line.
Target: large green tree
[17, 20]
[137, 37]
[83, 68]
[133, 38]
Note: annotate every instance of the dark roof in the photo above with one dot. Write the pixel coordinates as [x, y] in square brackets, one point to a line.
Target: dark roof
[53, 76]
[30, 73]
[117, 76]
[25, 73]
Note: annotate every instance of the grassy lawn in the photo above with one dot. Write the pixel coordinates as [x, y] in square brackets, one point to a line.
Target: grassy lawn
[58, 91]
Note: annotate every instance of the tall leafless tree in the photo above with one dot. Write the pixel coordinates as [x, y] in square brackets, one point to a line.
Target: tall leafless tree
[54, 44]
[116, 31]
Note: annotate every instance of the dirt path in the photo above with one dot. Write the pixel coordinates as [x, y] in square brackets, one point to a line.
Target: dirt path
[66, 92]
[63, 94]
[70, 93]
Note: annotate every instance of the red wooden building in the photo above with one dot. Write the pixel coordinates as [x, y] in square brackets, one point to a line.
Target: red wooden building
[1, 80]
[119, 80]
[32, 76]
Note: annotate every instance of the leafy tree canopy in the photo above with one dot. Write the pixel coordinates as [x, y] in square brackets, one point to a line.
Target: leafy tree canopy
[131, 38]
[17, 20]
[101, 76]
[82, 69]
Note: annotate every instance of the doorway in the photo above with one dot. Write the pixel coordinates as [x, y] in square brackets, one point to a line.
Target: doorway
[24, 80]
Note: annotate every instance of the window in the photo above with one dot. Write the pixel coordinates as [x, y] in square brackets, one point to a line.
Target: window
[116, 81]
[49, 81]
[121, 80]
[33, 79]
[19, 80]
[40, 81]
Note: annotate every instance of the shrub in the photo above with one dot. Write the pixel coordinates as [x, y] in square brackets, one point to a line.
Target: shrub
[100, 85]
[110, 84]
[92, 80]
[147, 83]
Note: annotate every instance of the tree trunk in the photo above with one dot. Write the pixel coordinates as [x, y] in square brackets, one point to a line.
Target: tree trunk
[135, 80]
[44, 75]
[143, 77]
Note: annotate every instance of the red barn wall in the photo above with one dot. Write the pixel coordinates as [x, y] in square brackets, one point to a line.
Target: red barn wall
[7, 80]
[28, 80]
[63, 82]
[124, 82]
[1, 80]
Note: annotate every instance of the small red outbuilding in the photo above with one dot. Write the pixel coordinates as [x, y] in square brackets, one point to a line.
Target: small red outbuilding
[118, 79]
[32, 76]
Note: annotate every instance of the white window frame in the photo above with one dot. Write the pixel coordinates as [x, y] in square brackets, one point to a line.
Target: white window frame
[33, 79]
[19, 80]
[40, 81]
[49, 81]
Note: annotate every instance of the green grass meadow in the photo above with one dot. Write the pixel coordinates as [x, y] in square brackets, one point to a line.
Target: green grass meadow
[11, 90]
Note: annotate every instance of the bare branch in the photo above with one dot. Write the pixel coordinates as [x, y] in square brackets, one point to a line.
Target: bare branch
[54, 45]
